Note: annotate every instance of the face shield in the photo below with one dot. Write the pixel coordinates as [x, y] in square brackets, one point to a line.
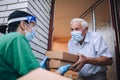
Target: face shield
[27, 18]
[31, 19]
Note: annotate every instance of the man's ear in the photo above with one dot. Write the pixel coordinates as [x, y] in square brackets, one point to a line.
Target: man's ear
[22, 25]
[86, 29]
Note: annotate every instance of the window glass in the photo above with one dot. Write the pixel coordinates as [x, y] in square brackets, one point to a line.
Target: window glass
[88, 18]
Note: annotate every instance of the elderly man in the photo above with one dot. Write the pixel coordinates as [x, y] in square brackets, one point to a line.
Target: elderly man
[93, 52]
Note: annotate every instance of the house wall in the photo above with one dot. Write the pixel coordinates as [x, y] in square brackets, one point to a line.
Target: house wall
[41, 9]
[60, 46]
[8, 6]
[60, 43]
[107, 32]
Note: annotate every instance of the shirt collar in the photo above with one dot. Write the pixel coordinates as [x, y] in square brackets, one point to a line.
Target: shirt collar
[87, 37]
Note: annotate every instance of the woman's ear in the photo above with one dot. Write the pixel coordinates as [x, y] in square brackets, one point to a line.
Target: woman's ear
[22, 25]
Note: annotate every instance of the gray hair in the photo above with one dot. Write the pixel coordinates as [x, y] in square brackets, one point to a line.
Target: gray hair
[82, 21]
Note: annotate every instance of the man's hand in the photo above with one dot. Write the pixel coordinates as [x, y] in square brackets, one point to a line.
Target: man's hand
[63, 69]
[80, 63]
[43, 62]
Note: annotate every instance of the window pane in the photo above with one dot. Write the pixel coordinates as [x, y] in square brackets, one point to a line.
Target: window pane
[88, 18]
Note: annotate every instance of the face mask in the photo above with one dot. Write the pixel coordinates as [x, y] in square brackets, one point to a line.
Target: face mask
[77, 35]
[30, 35]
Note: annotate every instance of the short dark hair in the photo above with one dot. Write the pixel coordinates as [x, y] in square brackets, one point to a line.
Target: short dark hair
[14, 25]
[3, 28]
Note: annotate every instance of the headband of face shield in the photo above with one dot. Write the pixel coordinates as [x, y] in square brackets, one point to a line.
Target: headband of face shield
[28, 18]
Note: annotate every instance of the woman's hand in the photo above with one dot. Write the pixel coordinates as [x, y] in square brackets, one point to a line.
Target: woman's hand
[43, 62]
[63, 69]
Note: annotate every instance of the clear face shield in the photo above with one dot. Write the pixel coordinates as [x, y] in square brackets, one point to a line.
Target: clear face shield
[32, 26]
[30, 34]
[31, 22]
[30, 19]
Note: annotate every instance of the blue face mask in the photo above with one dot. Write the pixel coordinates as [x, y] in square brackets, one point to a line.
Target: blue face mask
[30, 35]
[77, 35]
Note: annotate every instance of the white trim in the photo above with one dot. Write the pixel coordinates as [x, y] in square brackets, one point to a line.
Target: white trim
[17, 19]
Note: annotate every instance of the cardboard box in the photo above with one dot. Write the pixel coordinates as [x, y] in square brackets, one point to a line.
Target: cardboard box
[41, 74]
[69, 74]
[56, 63]
[74, 77]
[62, 56]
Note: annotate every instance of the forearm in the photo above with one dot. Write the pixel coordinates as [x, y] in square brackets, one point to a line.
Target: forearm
[99, 61]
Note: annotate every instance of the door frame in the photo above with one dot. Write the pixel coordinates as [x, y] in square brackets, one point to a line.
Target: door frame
[115, 15]
[51, 28]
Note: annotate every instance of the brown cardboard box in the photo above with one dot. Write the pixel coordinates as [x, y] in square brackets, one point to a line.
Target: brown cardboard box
[41, 74]
[69, 74]
[56, 63]
[62, 56]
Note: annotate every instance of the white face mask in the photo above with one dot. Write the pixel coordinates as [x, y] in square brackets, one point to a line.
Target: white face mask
[30, 35]
[77, 35]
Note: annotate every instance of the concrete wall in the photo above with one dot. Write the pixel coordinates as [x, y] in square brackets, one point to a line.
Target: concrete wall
[107, 32]
[41, 9]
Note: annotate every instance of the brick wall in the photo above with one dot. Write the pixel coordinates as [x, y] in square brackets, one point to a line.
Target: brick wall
[8, 6]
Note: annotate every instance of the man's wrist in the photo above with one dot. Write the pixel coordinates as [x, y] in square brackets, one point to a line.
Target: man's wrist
[88, 60]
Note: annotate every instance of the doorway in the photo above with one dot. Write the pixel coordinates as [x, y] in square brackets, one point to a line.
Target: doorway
[96, 13]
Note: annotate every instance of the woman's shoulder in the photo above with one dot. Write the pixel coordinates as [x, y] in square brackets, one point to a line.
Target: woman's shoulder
[13, 36]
